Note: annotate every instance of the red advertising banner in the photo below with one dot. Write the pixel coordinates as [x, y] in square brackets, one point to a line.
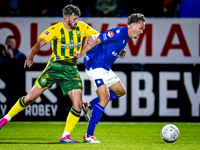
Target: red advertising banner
[164, 40]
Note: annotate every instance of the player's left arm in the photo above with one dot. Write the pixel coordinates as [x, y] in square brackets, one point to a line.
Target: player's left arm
[86, 48]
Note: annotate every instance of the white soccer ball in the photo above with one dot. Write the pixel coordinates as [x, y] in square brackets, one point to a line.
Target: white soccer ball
[169, 133]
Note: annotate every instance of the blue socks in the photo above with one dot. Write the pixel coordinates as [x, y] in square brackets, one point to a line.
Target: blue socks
[96, 116]
[96, 100]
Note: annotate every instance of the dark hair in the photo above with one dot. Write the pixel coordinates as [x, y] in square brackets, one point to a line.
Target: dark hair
[70, 9]
[135, 18]
[9, 37]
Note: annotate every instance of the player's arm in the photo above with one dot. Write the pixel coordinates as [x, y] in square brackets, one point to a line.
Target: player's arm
[123, 54]
[34, 50]
[87, 48]
[91, 39]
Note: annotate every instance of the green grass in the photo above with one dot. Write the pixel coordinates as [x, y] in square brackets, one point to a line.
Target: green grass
[113, 136]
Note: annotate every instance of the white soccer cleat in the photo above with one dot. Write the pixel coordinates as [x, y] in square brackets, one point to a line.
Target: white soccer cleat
[90, 139]
[87, 111]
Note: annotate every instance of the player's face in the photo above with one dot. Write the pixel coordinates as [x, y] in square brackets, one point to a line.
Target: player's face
[72, 22]
[137, 29]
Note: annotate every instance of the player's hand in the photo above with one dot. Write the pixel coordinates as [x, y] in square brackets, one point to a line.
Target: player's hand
[28, 62]
[92, 40]
[77, 54]
[123, 54]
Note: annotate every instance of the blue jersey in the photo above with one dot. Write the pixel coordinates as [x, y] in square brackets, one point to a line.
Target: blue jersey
[105, 54]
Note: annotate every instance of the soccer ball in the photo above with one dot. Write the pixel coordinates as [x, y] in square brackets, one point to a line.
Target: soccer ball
[169, 133]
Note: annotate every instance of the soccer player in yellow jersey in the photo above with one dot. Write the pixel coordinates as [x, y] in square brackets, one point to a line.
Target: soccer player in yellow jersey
[66, 38]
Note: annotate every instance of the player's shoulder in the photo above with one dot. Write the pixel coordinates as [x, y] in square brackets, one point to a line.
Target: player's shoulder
[57, 25]
[81, 23]
[116, 31]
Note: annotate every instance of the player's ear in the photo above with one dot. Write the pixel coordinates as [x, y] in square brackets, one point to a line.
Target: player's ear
[132, 25]
[66, 18]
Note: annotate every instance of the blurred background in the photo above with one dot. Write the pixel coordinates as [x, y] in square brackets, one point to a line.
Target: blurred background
[160, 72]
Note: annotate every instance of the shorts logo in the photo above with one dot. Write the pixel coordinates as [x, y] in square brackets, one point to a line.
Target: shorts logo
[46, 33]
[76, 78]
[43, 81]
[99, 82]
[110, 34]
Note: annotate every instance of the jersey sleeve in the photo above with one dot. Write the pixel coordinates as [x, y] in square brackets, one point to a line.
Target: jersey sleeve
[110, 35]
[48, 34]
[88, 30]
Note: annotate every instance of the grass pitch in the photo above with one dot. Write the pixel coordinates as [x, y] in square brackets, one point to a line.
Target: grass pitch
[113, 136]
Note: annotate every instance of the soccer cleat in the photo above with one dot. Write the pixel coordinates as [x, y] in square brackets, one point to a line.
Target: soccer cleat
[3, 122]
[90, 139]
[67, 139]
[87, 111]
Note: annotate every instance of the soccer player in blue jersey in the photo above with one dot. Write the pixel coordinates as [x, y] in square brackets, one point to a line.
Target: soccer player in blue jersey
[98, 60]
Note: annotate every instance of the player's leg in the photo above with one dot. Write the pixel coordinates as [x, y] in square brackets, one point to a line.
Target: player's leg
[97, 111]
[42, 83]
[22, 103]
[93, 102]
[73, 116]
[99, 79]
[88, 106]
[115, 86]
[116, 89]
[72, 85]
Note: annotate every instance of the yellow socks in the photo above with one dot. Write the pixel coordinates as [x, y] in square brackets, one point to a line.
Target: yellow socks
[18, 107]
[72, 119]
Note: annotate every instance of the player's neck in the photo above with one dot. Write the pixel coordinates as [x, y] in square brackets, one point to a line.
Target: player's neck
[67, 27]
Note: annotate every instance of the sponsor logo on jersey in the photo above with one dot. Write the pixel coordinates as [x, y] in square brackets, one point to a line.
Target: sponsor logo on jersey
[110, 34]
[104, 36]
[46, 33]
[118, 31]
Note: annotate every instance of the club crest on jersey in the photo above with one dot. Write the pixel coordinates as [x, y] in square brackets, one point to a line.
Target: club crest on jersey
[78, 33]
[110, 34]
[43, 81]
[46, 33]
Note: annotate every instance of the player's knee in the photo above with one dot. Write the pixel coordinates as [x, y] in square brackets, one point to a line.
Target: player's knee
[121, 93]
[104, 99]
[77, 105]
[28, 100]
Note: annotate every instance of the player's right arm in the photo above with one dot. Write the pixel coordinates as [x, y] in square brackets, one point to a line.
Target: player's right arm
[34, 50]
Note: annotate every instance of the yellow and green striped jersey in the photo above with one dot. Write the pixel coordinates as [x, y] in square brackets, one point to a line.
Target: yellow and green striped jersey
[63, 42]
